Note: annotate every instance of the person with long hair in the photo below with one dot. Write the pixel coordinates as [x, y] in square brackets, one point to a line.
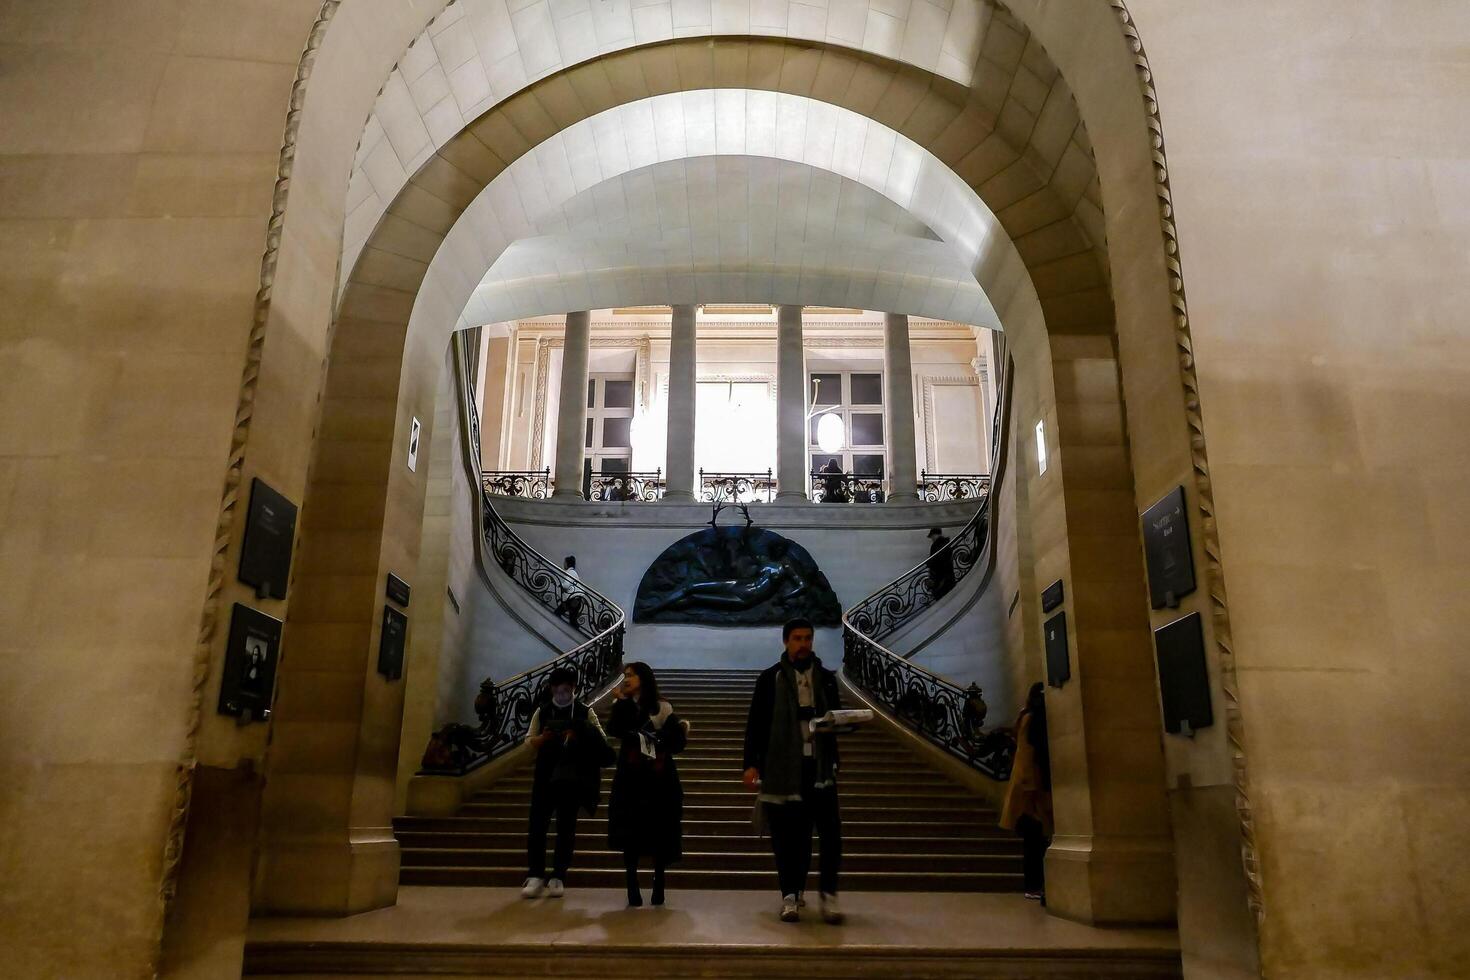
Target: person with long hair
[646, 808]
[1027, 808]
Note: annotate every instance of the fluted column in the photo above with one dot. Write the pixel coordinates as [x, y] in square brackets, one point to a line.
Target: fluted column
[791, 467]
[679, 461]
[898, 406]
[571, 419]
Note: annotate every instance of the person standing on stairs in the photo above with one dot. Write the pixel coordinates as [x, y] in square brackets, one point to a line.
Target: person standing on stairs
[571, 601]
[645, 810]
[571, 749]
[941, 563]
[794, 770]
[1027, 806]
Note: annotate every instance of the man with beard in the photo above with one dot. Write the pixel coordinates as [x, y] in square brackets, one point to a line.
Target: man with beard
[795, 770]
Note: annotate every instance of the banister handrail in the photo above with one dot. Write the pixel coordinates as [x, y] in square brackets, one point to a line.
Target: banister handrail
[504, 708]
[949, 716]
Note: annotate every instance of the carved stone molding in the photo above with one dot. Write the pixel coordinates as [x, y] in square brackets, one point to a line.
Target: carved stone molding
[230, 498]
[1203, 492]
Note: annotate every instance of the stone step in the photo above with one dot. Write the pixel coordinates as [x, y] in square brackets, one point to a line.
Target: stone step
[729, 843]
[851, 814]
[758, 859]
[702, 824]
[892, 881]
[737, 795]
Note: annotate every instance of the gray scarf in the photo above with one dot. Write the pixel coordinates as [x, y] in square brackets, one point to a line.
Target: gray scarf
[781, 777]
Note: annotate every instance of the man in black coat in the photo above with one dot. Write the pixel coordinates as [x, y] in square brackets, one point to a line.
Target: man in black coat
[795, 770]
[941, 563]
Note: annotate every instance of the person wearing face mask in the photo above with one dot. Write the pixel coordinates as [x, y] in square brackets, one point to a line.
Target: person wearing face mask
[794, 770]
[571, 749]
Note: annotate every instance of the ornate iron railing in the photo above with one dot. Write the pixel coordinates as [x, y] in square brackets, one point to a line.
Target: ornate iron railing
[517, 483]
[504, 708]
[613, 485]
[943, 487]
[847, 488]
[949, 716]
[736, 488]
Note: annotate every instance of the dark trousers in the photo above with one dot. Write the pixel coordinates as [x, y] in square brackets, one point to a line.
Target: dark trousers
[630, 866]
[1033, 853]
[561, 801]
[791, 835]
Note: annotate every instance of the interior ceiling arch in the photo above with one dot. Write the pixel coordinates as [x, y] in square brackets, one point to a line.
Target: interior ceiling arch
[478, 54]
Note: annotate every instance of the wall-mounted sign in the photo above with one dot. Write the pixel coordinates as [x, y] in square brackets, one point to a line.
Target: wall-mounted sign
[397, 590]
[251, 655]
[1058, 663]
[1184, 680]
[392, 643]
[1052, 596]
[265, 554]
[1166, 549]
[413, 446]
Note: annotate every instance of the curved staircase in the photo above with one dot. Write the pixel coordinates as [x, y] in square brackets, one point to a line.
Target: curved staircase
[906, 826]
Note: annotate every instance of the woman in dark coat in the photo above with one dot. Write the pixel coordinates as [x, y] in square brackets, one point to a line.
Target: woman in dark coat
[646, 809]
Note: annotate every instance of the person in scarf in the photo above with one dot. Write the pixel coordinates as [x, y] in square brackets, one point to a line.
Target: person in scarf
[646, 807]
[571, 750]
[1027, 805]
[795, 770]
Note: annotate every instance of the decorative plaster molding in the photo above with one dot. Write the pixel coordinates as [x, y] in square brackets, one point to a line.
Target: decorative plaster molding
[952, 381]
[230, 498]
[1204, 493]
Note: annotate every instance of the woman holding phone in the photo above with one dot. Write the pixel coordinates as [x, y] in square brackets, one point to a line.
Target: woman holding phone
[646, 807]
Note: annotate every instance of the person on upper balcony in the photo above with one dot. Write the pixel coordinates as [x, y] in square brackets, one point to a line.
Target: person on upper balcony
[794, 770]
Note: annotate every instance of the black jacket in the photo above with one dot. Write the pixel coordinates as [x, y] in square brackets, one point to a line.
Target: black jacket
[763, 706]
[584, 756]
[645, 810]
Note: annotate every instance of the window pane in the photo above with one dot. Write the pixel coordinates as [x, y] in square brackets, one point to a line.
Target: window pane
[867, 389]
[867, 464]
[829, 392]
[820, 460]
[592, 393]
[617, 394]
[616, 433]
[867, 429]
[615, 464]
[589, 433]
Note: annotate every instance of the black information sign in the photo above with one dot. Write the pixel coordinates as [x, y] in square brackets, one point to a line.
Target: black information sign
[265, 555]
[397, 589]
[1166, 547]
[1052, 597]
[392, 644]
[1058, 663]
[251, 656]
[1184, 681]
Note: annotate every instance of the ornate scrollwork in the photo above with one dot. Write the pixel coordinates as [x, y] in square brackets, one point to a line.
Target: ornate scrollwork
[504, 708]
[610, 485]
[829, 487]
[736, 487]
[883, 612]
[943, 487]
[535, 484]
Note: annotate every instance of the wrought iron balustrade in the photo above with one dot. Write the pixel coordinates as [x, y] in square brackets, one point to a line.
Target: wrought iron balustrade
[536, 484]
[847, 488]
[612, 485]
[943, 487]
[736, 488]
[504, 708]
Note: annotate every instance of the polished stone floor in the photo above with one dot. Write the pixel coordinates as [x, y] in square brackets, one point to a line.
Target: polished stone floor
[599, 917]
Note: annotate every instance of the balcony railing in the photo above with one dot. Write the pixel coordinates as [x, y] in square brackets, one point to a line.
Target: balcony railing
[736, 488]
[935, 488]
[535, 484]
[847, 488]
[623, 485]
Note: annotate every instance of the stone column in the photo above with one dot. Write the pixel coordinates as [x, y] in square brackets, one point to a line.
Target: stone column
[898, 407]
[571, 420]
[679, 461]
[791, 439]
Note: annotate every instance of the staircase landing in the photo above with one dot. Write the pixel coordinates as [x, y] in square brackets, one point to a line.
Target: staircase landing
[492, 932]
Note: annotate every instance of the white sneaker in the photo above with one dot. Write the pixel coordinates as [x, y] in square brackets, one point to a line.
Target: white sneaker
[831, 912]
[533, 888]
[555, 888]
[789, 910]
